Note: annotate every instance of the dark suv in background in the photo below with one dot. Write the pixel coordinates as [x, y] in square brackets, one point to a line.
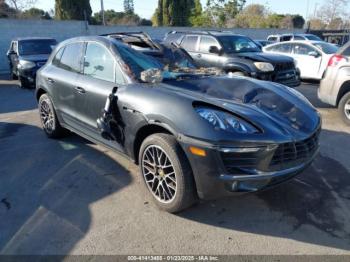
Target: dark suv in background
[26, 56]
[236, 54]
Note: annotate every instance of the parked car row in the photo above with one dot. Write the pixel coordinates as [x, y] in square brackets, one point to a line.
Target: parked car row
[184, 109]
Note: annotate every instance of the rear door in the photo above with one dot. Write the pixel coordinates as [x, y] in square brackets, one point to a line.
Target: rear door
[308, 64]
[205, 58]
[62, 79]
[190, 44]
[101, 73]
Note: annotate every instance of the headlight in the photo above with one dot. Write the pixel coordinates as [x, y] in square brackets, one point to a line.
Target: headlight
[225, 121]
[264, 67]
[26, 64]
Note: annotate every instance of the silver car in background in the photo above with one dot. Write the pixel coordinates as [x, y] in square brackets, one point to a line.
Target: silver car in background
[311, 57]
[335, 86]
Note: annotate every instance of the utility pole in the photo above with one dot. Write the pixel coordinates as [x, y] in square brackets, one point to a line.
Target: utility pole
[103, 13]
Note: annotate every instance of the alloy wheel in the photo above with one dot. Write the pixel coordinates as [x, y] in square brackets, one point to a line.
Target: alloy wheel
[347, 109]
[47, 117]
[159, 173]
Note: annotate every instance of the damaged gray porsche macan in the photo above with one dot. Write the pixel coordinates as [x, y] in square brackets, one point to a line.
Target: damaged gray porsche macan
[195, 133]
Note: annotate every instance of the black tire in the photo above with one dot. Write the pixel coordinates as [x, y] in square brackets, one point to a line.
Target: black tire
[52, 129]
[238, 73]
[185, 193]
[344, 110]
[13, 76]
[23, 83]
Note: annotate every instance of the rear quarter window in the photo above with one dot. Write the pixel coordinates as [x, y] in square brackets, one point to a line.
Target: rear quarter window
[282, 48]
[190, 43]
[173, 38]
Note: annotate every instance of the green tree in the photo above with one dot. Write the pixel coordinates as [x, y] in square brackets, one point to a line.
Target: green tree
[173, 13]
[298, 21]
[129, 6]
[252, 16]
[35, 13]
[197, 17]
[117, 18]
[6, 11]
[221, 11]
[72, 10]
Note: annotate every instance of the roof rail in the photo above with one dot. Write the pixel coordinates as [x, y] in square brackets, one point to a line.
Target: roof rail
[204, 32]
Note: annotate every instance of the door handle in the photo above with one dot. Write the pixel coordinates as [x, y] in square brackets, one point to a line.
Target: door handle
[199, 56]
[80, 90]
[50, 80]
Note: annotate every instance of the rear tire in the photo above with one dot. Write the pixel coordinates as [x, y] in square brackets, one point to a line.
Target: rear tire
[167, 173]
[48, 117]
[344, 108]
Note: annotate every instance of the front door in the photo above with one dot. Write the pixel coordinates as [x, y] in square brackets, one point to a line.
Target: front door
[307, 61]
[100, 74]
[207, 59]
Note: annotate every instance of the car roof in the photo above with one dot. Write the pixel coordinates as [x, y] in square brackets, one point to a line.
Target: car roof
[32, 38]
[300, 42]
[209, 32]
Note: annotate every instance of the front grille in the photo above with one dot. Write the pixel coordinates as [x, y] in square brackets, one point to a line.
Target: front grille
[271, 158]
[284, 66]
[289, 154]
[239, 163]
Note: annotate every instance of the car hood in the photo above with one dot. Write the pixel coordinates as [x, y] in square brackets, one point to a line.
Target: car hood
[265, 57]
[274, 108]
[35, 58]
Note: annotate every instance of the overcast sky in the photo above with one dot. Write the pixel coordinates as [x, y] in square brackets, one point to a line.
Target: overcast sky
[145, 8]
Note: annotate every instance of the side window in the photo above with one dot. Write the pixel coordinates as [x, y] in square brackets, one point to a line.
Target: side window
[57, 59]
[282, 48]
[206, 42]
[99, 63]
[286, 38]
[71, 57]
[190, 43]
[301, 49]
[298, 37]
[346, 52]
[173, 38]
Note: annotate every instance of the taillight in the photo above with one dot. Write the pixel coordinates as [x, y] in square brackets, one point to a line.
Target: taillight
[335, 60]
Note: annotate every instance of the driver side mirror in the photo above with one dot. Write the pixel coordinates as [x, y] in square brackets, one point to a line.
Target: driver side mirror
[314, 54]
[214, 50]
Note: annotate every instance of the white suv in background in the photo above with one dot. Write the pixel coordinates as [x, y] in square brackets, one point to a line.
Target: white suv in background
[335, 86]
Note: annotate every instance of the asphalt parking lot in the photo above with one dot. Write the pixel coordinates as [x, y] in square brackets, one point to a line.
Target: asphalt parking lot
[72, 197]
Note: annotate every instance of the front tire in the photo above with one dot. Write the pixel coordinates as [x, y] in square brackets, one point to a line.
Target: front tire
[13, 76]
[24, 83]
[344, 108]
[167, 173]
[48, 117]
